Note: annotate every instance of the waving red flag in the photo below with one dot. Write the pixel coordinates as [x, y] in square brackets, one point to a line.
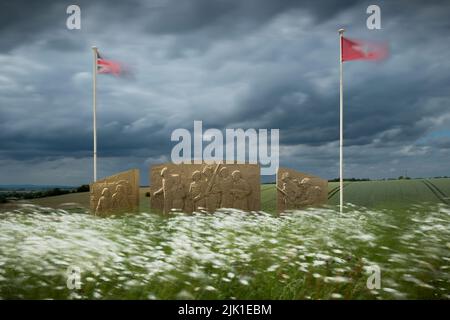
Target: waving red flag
[362, 50]
[108, 66]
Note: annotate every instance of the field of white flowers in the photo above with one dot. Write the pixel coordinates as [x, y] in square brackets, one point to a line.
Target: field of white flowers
[311, 254]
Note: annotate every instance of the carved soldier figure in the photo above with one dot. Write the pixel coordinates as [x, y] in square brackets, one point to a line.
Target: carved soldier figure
[178, 192]
[289, 190]
[311, 194]
[241, 191]
[126, 186]
[212, 192]
[196, 190]
[115, 194]
[104, 202]
[225, 186]
[164, 190]
[299, 192]
[120, 198]
[314, 195]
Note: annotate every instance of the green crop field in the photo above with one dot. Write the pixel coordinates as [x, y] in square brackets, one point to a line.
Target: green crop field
[388, 194]
[402, 227]
[378, 194]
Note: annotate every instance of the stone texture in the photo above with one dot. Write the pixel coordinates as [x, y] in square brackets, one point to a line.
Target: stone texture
[115, 194]
[199, 187]
[296, 190]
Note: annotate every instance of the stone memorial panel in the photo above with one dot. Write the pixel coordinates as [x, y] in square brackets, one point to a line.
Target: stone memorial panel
[115, 194]
[204, 187]
[296, 190]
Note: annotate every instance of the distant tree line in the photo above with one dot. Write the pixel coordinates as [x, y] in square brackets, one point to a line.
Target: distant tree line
[26, 195]
[349, 179]
[387, 179]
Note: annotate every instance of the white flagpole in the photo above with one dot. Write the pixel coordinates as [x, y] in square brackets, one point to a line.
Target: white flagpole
[341, 127]
[94, 103]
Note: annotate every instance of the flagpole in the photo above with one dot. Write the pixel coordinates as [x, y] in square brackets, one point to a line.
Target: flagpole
[94, 103]
[341, 126]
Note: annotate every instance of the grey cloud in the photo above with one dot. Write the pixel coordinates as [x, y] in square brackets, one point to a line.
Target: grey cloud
[262, 64]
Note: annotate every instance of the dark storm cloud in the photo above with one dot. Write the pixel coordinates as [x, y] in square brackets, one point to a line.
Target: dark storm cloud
[249, 64]
[24, 20]
[226, 16]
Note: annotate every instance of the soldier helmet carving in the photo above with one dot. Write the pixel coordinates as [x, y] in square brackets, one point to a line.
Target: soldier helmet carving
[196, 175]
[236, 174]
[306, 181]
[105, 192]
[285, 176]
[223, 171]
[164, 171]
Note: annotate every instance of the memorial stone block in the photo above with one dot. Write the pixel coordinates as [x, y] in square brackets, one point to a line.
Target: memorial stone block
[115, 194]
[204, 187]
[297, 190]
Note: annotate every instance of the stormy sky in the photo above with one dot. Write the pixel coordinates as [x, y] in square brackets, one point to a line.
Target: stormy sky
[232, 64]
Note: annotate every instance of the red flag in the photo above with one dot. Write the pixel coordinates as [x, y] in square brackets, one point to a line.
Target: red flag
[362, 50]
[108, 66]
